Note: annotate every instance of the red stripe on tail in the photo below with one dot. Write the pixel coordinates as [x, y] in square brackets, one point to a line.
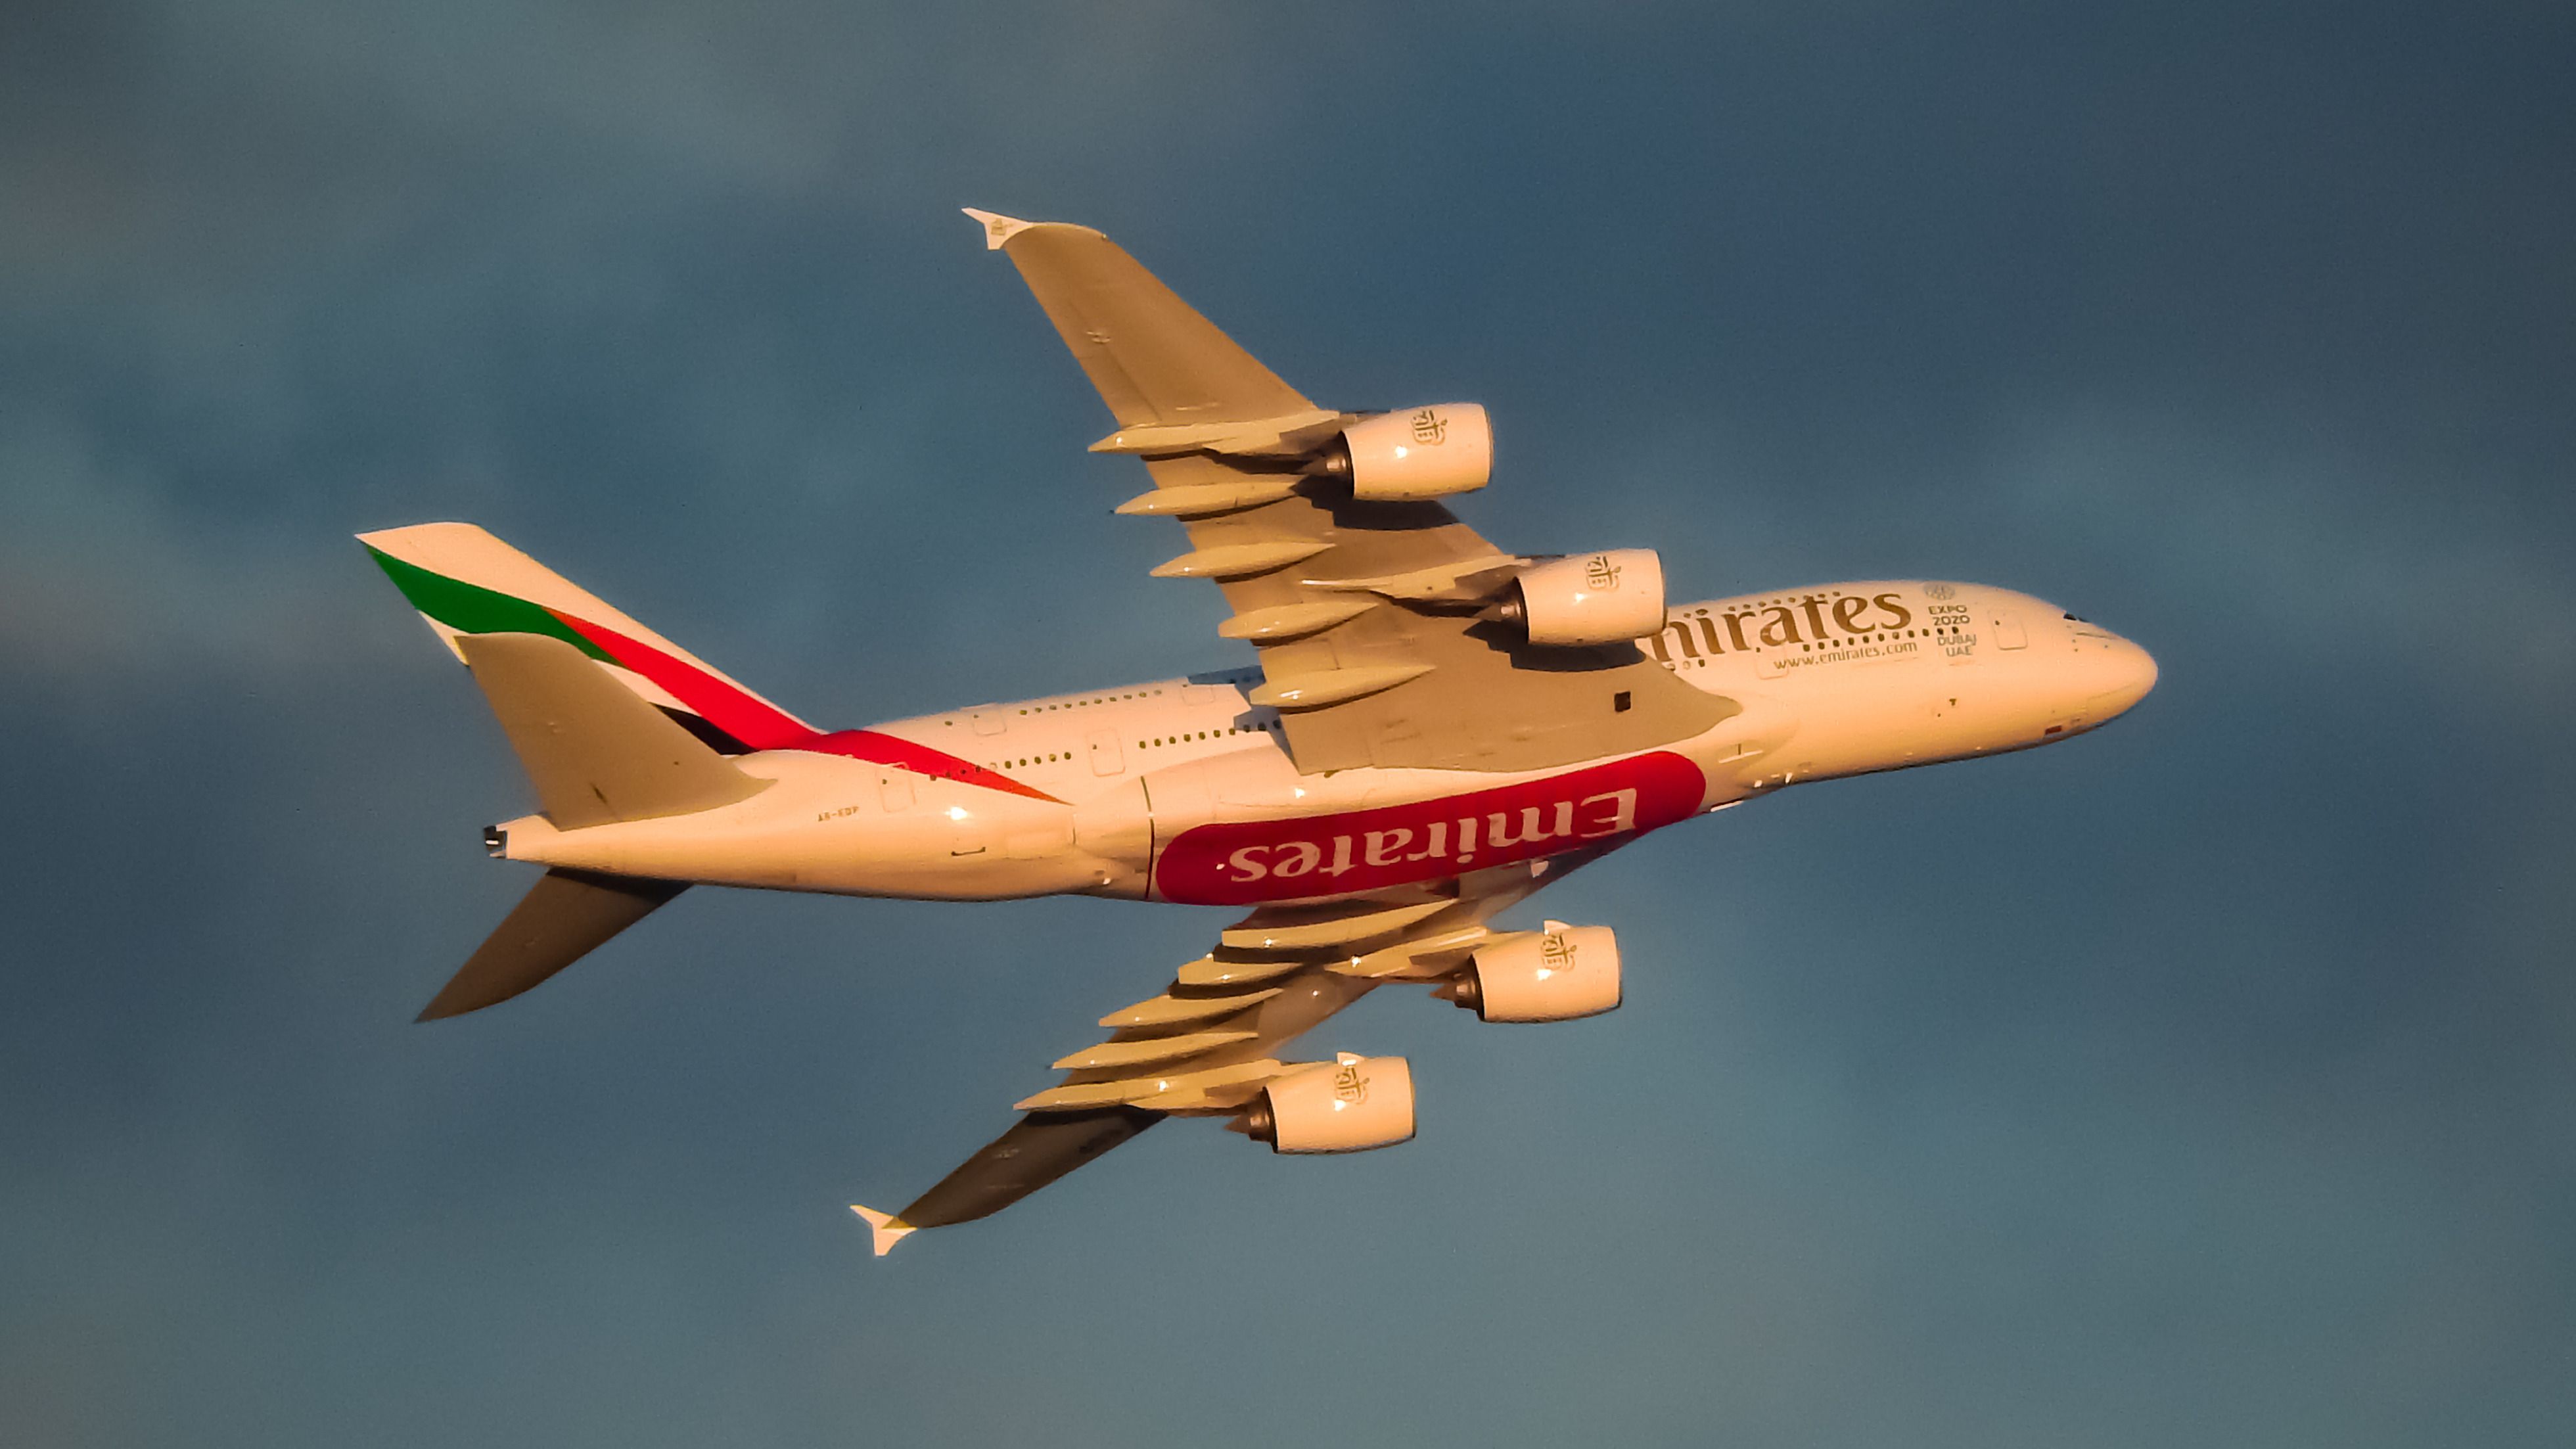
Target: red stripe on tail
[764, 727]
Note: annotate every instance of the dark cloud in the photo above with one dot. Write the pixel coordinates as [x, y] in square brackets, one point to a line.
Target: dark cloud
[2205, 1081]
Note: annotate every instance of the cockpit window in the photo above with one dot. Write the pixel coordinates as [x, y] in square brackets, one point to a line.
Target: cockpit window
[2080, 619]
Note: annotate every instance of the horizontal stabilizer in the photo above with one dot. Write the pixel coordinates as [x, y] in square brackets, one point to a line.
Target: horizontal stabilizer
[566, 916]
[595, 751]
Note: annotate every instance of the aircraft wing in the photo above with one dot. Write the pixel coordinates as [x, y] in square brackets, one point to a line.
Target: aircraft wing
[1364, 612]
[1209, 1043]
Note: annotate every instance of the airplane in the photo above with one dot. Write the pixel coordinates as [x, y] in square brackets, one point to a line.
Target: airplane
[1435, 730]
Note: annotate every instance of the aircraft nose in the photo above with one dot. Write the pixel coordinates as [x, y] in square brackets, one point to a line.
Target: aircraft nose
[2125, 673]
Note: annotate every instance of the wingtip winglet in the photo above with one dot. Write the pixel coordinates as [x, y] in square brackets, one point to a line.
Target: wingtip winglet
[887, 1228]
[998, 229]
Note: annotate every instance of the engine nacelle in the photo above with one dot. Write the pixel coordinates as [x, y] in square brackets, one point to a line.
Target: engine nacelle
[1557, 974]
[1588, 599]
[1350, 1104]
[1425, 452]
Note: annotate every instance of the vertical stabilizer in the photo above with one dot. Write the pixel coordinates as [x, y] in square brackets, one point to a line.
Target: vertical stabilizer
[595, 752]
[467, 583]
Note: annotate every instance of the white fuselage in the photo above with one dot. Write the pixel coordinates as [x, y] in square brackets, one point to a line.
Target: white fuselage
[1181, 789]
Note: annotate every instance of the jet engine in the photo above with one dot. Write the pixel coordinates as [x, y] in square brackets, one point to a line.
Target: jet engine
[1349, 1104]
[1591, 598]
[1554, 974]
[1425, 452]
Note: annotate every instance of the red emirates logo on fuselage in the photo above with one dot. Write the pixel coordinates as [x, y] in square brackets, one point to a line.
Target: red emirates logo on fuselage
[1248, 862]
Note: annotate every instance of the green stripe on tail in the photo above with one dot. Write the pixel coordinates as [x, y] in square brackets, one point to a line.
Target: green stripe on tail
[472, 609]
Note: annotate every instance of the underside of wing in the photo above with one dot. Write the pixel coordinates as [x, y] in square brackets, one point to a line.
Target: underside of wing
[1373, 615]
[1208, 1044]
[1403, 670]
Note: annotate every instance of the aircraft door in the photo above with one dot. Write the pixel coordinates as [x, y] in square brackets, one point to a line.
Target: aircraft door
[2008, 631]
[1106, 758]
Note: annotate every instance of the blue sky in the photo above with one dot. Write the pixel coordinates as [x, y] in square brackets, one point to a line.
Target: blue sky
[2209, 1080]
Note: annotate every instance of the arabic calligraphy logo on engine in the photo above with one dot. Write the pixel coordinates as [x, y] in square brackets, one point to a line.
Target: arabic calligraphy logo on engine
[1555, 952]
[1429, 428]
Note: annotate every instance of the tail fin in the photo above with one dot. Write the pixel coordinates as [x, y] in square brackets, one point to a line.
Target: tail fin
[595, 752]
[611, 720]
[466, 582]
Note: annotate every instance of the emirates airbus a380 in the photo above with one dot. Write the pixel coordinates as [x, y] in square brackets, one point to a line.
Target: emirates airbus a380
[1434, 730]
